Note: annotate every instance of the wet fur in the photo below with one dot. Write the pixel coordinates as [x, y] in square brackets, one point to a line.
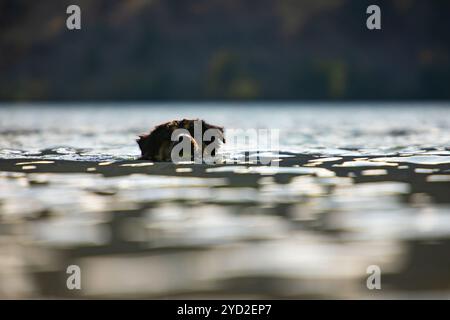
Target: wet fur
[157, 145]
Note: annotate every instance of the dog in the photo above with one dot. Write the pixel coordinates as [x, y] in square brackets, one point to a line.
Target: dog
[158, 144]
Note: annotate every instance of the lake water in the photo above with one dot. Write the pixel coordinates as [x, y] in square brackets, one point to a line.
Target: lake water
[93, 132]
[357, 185]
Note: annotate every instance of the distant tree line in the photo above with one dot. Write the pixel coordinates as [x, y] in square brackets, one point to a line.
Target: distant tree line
[224, 50]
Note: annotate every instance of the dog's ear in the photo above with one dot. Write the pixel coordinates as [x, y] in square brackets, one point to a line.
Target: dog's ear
[141, 138]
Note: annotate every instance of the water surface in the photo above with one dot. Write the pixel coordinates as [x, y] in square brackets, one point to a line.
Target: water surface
[356, 185]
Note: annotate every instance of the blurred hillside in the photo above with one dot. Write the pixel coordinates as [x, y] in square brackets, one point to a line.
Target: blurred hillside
[224, 49]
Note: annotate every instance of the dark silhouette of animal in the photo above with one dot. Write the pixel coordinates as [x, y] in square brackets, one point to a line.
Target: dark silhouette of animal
[157, 145]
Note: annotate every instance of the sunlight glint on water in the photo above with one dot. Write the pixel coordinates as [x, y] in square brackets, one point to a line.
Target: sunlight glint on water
[356, 186]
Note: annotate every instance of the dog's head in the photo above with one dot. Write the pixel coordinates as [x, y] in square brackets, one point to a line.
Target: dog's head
[156, 145]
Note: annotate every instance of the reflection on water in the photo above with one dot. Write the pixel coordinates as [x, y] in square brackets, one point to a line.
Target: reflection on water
[308, 228]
